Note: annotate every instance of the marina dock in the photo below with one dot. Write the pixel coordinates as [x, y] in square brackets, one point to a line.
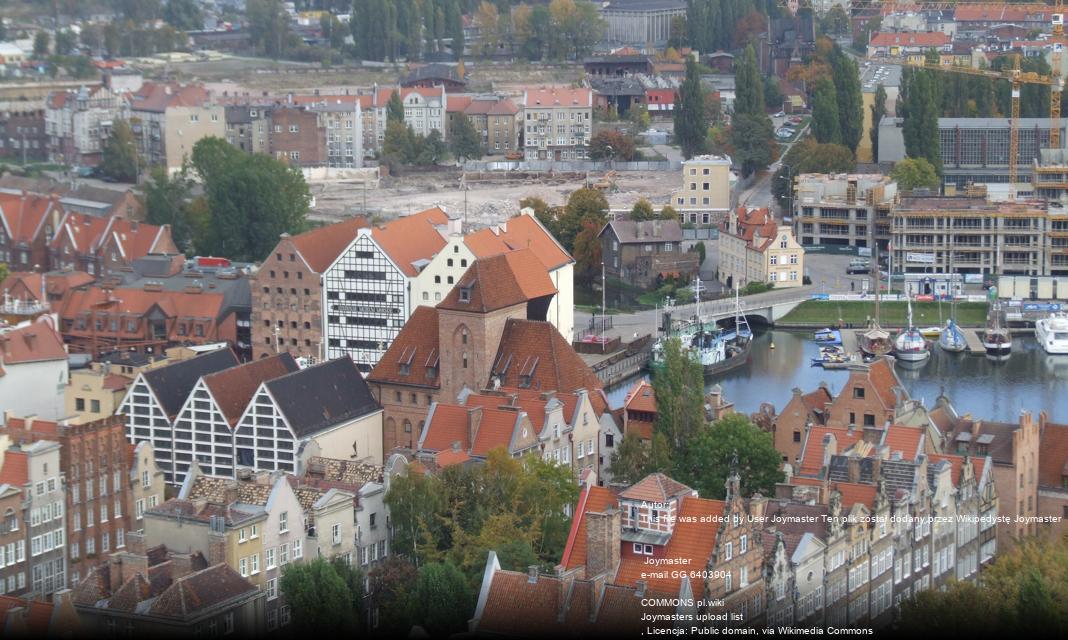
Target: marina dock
[975, 343]
[849, 342]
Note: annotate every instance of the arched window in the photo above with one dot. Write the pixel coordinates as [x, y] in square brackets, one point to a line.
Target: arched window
[407, 426]
[465, 359]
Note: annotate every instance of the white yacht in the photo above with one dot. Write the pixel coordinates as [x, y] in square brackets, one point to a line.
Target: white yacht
[1052, 333]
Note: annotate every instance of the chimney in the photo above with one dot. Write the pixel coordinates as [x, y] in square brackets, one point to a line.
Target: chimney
[830, 448]
[603, 531]
[216, 549]
[474, 420]
[532, 574]
[853, 468]
[115, 573]
[181, 565]
[135, 543]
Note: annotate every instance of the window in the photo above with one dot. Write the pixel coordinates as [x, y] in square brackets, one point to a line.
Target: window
[254, 532]
[298, 549]
[268, 558]
[283, 554]
[858, 393]
[744, 543]
[272, 588]
[336, 530]
[283, 522]
[729, 552]
[255, 563]
[243, 564]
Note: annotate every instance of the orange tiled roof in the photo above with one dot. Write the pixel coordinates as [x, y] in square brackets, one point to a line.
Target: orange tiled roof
[655, 487]
[907, 440]
[412, 238]
[417, 346]
[233, 388]
[593, 499]
[500, 281]
[692, 539]
[23, 216]
[558, 97]
[158, 96]
[536, 350]
[1052, 456]
[855, 492]
[448, 424]
[16, 469]
[320, 247]
[920, 39]
[36, 342]
[138, 302]
[641, 397]
[90, 234]
[39, 618]
[522, 231]
[57, 283]
[812, 453]
[883, 378]
[450, 457]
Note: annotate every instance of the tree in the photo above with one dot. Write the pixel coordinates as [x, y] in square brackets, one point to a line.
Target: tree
[669, 213]
[634, 459]
[772, 93]
[399, 144]
[848, 97]
[119, 157]
[610, 144]
[394, 108]
[334, 30]
[689, 116]
[748, 85]
[488, 21]
[40, 44]
[809, 156]
[753, 139]
[320, 599]
[184, 15]
[65, 42]
[464, 141]
[835, 21]
[252, 199]
[268, 26]
[707, 458]
[442, 599]
[4, 271]
[587, 252]
[919, 106]
[878, 111]
[680, 404]
[825, 123]
[915, 173]
[677, 39]
[863, 35]
[432, 149]
[167, 200]
[642, 210]
[391, 583]
[582, 205]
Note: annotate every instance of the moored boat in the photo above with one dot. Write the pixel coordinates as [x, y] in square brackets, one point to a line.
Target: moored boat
[952, 338]
[875, 341]
[1052, 333]
[997, 340]
[910, 345]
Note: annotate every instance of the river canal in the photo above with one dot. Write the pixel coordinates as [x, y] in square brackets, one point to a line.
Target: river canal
[1030, 380]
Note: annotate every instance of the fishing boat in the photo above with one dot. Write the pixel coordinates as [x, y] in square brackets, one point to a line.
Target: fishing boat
[996, 340]
[952, 338]
[828, 336]
[715, 349]
[910, 345]
[1052, 333]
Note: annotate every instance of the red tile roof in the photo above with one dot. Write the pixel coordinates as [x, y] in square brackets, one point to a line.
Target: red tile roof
[233, 388]
[138, 302]
[39, 618]
[412, 238]
[641, 397]
[533, 355]
[906, 440]
[448, 424]
[921, 39]
[320, 247]
[133, 240]
[855, 492]
[519, 232]
[27, 284]
[593, 499]
[448, 458]
[416, 346]
[36, 342]
[812, 453]
[655, 487]
[565, 97]
[24, 216]
[158, 96]
[500, 281]
[1052, 456]
[16, 470]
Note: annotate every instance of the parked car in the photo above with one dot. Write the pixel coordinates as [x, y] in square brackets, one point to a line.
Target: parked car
[780, 114]
[795, 120]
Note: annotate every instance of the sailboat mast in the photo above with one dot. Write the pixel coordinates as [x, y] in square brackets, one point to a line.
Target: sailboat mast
[875, 265]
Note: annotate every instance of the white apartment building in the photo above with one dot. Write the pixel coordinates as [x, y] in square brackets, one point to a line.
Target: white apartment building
[558, 123]
[342, 117]
[78, 123]
[424, 109]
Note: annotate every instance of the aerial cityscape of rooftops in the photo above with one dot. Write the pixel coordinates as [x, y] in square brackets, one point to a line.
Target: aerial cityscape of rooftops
[533, 318]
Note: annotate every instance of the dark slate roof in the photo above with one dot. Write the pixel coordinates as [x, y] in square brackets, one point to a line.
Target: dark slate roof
[172, 383]
[201, 590]
[321, 396]
[631, 232]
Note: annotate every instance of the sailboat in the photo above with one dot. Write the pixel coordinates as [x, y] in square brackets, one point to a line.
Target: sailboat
[910, 345]
[952, 338]
[996, 340]
[875, 341]
[715, 349]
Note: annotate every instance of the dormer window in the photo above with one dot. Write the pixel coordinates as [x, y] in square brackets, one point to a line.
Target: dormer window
[655, 517]
[465, 294]
[404, 369]
[858, 393]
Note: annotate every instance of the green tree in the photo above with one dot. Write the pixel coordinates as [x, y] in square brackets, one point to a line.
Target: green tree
[582, 205]
[167, 200]
[863, 35]
[442, 599]
[4, 271]
[610, 144]
[431, 148]
[835, 21]
[825, 123]
[320, 599]
[634, 459]
[119, 157]
[848, 98]
[268, 26]
[669, 213]
[920, 106]
[399, 146]
[680, 404]
[184, 15]
[753, 139]
[464, 141]
[878, 111]
[642, 210]
[809, 156]
[65, 42]
[252, 199]
[690, 122]
[394, 108]
[391, 584]
[41, 42]
[748, 85]
[677, 39]
[707, 457]
[915, 173]
[587, 252]
[773, 93]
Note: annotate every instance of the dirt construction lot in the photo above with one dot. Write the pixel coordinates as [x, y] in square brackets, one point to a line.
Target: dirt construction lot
[491, 198]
